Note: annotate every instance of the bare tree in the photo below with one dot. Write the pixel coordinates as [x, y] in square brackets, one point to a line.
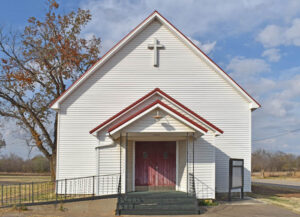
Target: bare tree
[37, 65]
[2, 141]
[263, 160]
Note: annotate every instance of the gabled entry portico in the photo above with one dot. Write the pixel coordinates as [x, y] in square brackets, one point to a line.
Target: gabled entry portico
[156, 139]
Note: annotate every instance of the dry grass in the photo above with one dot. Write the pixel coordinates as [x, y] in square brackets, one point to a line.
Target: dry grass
[14, 179]
[279, 174]
[288, 178]
[12, 191]
[23, 189]
[285, 197]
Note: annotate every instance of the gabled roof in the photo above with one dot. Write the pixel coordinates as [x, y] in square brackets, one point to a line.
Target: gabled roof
[132, 34]
[157, 104]
[147, 96]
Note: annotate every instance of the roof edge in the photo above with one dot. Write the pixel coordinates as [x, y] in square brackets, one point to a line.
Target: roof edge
[157, 102]
[209, 59]
[55, 103]
[156, 90]
[99, 61]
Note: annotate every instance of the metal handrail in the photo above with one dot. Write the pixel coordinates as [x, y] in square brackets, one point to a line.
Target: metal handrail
[119, 197]
[53, 191]
[193, 185]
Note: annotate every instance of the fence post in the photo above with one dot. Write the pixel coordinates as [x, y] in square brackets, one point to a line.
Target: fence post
[32, 193]
[93, 187]
[20, 194]
[2, 194]
[56, 189]
[65, 188]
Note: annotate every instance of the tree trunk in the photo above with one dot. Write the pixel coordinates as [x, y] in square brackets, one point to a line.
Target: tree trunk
[52, 162]
[262, 173]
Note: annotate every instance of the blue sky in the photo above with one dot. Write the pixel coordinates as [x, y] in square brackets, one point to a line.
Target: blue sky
[256, 41]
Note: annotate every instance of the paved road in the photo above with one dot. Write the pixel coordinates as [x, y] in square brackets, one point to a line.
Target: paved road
[278, 182]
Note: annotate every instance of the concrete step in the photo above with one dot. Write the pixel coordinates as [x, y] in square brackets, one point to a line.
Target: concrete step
[158, 203]
[157, 200]
[158, 212]
[159, 206]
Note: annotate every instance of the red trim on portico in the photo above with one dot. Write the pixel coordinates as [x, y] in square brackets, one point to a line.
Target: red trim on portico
[151, 105]
[123, 111]
[189, 110]
[156, 90]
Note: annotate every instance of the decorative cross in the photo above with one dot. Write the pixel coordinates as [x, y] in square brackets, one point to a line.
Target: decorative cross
[155, 46]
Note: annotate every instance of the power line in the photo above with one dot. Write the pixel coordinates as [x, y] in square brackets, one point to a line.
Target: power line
[278, 135]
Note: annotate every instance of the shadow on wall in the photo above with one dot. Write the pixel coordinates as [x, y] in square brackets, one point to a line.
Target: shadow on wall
[168, 127]
[203, 187]
[222, 184]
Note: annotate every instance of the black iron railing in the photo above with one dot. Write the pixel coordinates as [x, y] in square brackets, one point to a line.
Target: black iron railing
[120, 197]
[192, 185]
[60, 190]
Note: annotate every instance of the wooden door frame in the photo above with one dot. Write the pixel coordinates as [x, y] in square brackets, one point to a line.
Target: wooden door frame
[133, 165]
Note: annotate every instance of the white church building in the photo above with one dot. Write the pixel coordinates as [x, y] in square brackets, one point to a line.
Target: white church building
[156, 113]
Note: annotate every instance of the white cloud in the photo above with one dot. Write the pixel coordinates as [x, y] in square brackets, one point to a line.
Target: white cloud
[205, 47]
[241, 68]
[112, 19]
[208, 47]
[272, 54]
[274, 35]
[271, 36]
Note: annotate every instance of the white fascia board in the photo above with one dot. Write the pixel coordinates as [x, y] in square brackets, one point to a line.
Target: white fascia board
[151, 109]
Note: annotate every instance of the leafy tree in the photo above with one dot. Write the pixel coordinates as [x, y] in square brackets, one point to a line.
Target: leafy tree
[37, 65]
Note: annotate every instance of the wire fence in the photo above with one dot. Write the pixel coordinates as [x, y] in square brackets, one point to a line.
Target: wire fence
[58, 191]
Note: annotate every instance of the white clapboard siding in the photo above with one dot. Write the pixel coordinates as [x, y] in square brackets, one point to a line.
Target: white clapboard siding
[129, 75]
[130, 166]
[204, 165]
[182, 168]
[109, 156]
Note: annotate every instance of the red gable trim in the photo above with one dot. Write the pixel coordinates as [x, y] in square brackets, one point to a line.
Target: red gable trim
[151, 105]
[145, 97]
[189, 110]
[78, 79]
[123, 111]
[133, 31]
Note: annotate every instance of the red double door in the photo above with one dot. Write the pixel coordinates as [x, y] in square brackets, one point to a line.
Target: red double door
[155, 164]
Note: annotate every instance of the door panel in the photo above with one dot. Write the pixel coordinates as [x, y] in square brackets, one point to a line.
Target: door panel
[155, 164]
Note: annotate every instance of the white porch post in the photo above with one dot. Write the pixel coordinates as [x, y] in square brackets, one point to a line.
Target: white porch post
[187, 163]
[126, 162]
